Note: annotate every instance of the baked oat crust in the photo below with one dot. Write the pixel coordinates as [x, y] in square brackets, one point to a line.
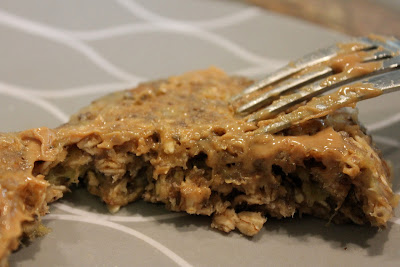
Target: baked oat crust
[178, 142]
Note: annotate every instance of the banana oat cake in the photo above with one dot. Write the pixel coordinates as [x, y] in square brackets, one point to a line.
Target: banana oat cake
[178, 142]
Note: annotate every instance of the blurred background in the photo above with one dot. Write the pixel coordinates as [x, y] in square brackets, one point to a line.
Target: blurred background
[353, 17]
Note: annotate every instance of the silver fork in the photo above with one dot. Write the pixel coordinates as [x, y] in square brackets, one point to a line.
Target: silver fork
[311, 76]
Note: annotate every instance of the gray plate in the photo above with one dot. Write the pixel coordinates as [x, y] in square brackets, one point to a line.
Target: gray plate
[57, 56]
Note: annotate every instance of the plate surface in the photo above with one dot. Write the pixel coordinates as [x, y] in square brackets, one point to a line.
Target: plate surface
[57, 56]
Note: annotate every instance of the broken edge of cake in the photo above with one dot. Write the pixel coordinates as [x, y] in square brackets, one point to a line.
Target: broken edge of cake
[177, 141]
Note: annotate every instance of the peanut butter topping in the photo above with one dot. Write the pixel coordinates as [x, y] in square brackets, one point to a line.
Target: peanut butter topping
[178, 142]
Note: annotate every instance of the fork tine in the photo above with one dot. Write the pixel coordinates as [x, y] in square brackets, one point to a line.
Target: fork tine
[316, 57]
[385, 82]
[289, 85]
[296, 82]
[315, 89]
[379, 55]
[290, 69]
[394, 43]
[391, 44]
[287, 102]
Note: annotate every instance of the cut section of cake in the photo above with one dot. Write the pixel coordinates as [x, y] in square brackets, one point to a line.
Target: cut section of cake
[178, 142]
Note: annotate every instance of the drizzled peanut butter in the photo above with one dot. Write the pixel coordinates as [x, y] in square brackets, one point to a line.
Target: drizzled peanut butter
[345, 67]
[178, 142]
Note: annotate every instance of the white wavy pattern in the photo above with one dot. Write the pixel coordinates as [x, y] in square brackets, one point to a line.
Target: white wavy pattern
[39, 29]
[69, 92]
[384, 123]
[16, 92]
[153, 22]
[168, 23]
[116, 218]
[395, 220]
[222, 22]
[124, 229]
[185, 30]
[387, 141]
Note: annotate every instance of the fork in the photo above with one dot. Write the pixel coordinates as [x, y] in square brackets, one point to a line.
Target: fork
[359, 68]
